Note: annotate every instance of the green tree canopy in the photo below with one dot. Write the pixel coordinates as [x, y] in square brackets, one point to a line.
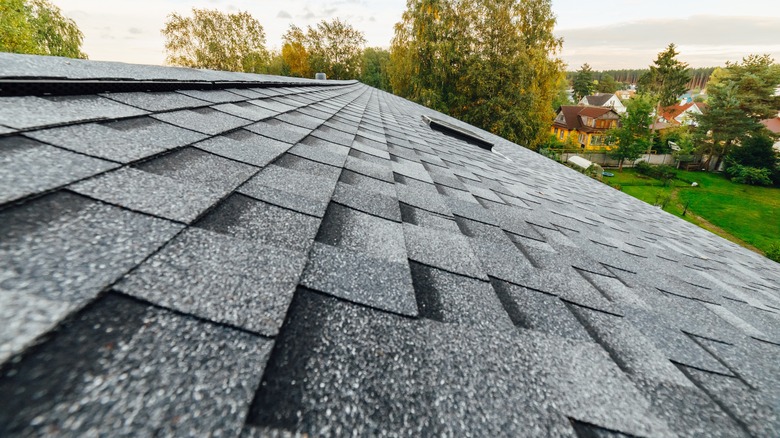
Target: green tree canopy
[740, 96]
[335, 48]
[633, 136]
[376, 64]
[331, 47]
[667, 79]
[583, 83]
[490, 63]
[216, 40]
[608, 84]
[38, 27]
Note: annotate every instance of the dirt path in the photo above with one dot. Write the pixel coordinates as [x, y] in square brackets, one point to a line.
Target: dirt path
[709, 226]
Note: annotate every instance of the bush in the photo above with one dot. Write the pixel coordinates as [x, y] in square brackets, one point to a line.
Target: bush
[662, 172]
[749, 175]
[643, 168]
[773, 253]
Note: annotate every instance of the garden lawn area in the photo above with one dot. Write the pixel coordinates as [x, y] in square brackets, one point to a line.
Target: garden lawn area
[747, 215]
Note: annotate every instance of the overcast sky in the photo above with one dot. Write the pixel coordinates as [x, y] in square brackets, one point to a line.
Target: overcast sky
[612, 34]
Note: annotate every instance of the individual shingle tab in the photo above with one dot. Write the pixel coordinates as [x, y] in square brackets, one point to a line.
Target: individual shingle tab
[197, 167]
[220, 278]
[156, 102]
[125, 368]
[123, 141]
[245, 110]
[179, 186]
[442, 249]
[452, 298]
[372, 203]
[353, 276]
[31, 112]
[205, 120]
[291, 189]
[28, 167]
[256, 221]
[539, 311]
[279, 130]
[150, 193]
[246, 147]
[48, 270]
[351, 229]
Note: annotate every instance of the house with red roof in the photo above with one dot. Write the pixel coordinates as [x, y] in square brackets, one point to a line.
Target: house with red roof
[680, 114]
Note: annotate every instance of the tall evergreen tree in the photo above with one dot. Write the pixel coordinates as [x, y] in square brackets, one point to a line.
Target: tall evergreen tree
[583, 83]
[740, 96]
[667, 79]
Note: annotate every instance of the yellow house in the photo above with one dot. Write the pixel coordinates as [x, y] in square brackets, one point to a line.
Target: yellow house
[589, 124]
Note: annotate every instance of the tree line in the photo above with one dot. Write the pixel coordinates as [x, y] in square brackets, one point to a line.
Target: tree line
[624, 77]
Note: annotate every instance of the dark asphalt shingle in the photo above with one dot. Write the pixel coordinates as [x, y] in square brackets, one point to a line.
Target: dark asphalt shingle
[28, 167]
[220, 278]
[123, 141]
[142, 360]
[32, 112]
[205, 120]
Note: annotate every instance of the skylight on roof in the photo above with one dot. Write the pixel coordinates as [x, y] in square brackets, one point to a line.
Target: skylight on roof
[451, 130]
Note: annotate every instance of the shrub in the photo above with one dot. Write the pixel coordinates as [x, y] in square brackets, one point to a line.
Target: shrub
[643, 168]
[663, 172]
[773, 253]
[749, 175]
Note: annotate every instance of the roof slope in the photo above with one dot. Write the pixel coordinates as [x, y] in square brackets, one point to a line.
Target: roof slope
[313, 257]
[598, 99]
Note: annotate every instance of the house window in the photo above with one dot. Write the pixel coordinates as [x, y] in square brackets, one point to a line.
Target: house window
[556, 131]
[562, 133]
[582, 138]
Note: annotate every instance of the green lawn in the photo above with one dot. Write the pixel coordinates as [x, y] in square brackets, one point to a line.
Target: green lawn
[747, 215]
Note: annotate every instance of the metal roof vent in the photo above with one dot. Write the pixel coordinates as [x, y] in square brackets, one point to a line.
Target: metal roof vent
[320, 76]
[454, 131]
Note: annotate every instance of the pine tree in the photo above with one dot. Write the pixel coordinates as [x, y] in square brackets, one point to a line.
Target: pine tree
[583, 82]
[667, 79]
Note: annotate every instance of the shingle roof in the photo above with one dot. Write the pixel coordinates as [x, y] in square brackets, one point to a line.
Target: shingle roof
[772, 124]
[598, 99]
[302, 256]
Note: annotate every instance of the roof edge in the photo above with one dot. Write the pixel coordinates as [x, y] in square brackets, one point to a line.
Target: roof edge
[54, 75]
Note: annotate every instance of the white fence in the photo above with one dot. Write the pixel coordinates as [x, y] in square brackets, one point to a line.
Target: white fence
[604, 160]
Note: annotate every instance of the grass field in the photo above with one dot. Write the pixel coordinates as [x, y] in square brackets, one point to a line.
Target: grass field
[747, 215]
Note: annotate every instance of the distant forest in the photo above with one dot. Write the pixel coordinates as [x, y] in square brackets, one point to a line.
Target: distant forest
[699, 76]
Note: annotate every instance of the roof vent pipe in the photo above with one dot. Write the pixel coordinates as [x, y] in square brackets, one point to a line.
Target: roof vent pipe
[320, 76]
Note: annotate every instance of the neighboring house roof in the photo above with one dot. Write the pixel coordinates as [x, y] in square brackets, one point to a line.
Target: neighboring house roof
[573, 114]
[245, 254]
[772, 124]
[599, 99]
[675, 114]
[605, 100]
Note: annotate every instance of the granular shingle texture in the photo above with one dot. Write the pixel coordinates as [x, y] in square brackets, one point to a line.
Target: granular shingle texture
[283, 256]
